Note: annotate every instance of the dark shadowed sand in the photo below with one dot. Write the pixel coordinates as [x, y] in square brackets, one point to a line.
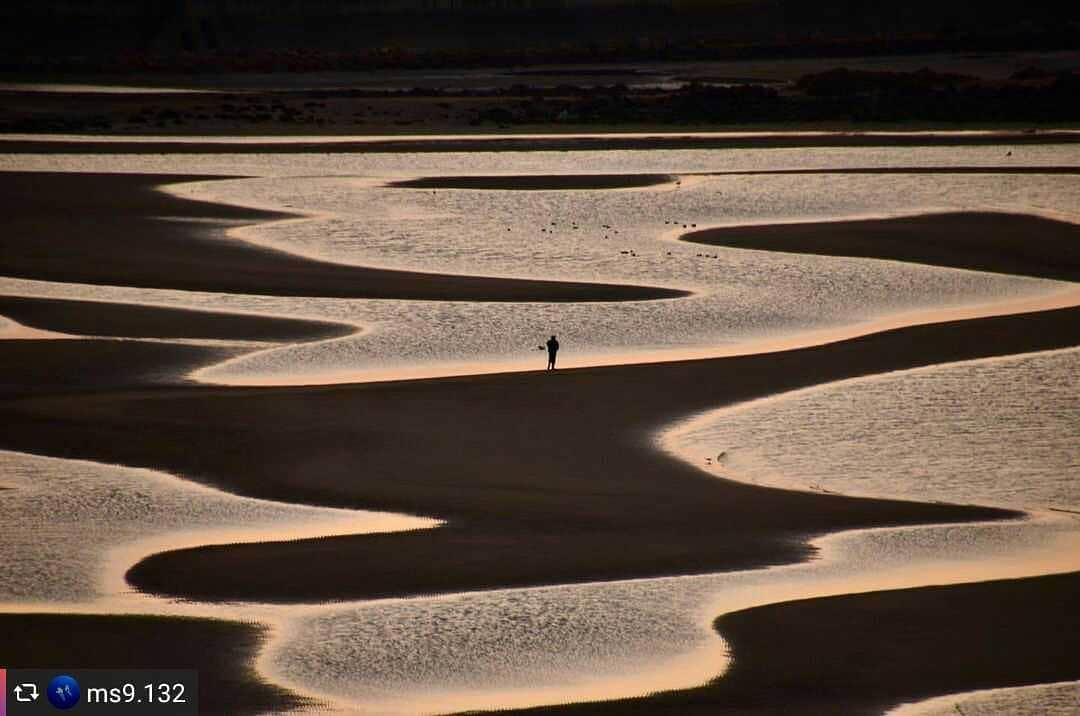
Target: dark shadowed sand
[39, 367]
[527, 182]
[222, 652]
[981, 241]
[92, 318]
[865, 653]
[113, 230]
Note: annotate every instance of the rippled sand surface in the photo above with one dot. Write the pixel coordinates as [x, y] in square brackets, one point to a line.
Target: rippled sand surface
[1040, 700]
[1001, 431]
[997, 432]
[69, 525]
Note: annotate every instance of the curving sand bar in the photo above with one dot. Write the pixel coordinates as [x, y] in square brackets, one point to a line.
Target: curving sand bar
[864, 653]
[116, 229]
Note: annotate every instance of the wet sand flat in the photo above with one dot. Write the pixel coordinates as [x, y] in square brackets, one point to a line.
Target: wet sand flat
[116, 229]
[981, 241]
[865, 653]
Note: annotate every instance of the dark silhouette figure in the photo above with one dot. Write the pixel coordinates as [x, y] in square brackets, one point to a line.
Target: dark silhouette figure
[553, 349]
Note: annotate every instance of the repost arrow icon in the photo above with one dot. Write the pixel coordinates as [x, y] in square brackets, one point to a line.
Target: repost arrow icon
[30, 697]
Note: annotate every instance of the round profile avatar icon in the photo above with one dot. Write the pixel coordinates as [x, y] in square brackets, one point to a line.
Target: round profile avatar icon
[63, 692]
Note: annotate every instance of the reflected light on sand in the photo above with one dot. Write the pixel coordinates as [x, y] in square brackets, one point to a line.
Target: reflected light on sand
[858, 561]
[1068, 297]
[11, 330]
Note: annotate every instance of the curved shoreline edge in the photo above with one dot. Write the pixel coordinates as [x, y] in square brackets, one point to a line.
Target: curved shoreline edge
[104, 319]
[107, 352]
[998, 242]
[90, 243]
[864, 653]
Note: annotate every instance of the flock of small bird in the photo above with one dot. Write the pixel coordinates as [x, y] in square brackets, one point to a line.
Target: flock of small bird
[550, 229]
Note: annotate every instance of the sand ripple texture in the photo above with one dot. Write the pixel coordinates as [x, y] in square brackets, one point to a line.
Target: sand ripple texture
[1001, 431]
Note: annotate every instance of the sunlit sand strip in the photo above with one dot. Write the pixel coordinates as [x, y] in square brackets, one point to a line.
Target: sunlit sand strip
[1057, 699]
[1066, 296]
[699, 664]
[260, 520]
[678, 438]
[11, 330]
[256, 234]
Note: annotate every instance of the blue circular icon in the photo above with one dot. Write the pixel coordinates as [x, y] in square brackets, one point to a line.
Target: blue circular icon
[63, 692]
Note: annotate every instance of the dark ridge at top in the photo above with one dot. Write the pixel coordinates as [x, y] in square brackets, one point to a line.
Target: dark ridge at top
[141, 35]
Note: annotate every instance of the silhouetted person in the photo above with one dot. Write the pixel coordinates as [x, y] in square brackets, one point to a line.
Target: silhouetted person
[553, 349]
